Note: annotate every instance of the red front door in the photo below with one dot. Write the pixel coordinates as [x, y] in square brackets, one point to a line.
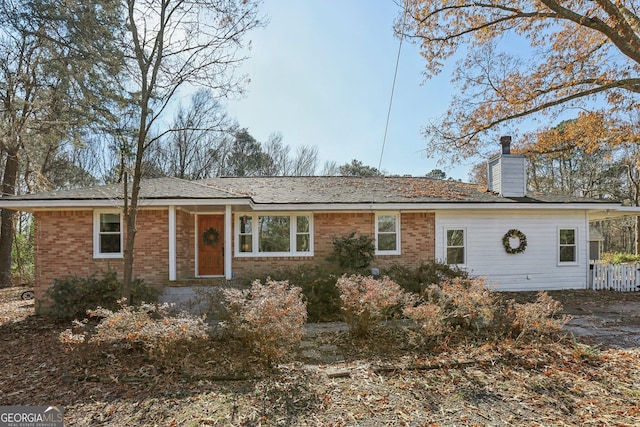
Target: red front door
[210, 245]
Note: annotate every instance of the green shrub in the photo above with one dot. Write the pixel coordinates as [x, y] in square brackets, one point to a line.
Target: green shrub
[73, 296]
[353, 254]
[268, 318]
[420, 278]
[619, 257]
[318, 284]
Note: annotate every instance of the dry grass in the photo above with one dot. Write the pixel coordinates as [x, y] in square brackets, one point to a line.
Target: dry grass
[377, 382]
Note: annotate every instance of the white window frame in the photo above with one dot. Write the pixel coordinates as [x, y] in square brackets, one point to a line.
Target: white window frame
[464, 245]
[293, 234]
[397, 250]
[97, 233]
[575, 245]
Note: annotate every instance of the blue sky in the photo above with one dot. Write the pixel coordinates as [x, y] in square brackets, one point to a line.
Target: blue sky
[321, 74]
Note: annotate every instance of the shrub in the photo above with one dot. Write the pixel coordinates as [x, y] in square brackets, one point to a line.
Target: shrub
[429, 321]
[353, 254]
[74, 295]
[318, 284]
[619, 257]
[366, 301]
[268, 318]
[537, 318]
[427, 273]
[463, 308]
[465, 303]
[148, 327]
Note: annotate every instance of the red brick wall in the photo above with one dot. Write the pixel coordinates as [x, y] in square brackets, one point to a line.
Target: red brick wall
[64, 246]
[185, 245]
[417, 242]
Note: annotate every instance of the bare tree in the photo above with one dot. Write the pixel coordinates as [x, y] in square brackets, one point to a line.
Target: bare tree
[193, 150]
[172, 44]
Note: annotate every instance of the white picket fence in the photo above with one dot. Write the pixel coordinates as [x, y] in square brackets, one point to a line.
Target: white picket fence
[616, 277]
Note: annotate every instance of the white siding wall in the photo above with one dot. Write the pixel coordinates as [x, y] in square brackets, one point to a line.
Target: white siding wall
[513, 175]
[494, 175]
[537, 268]
[507, 175]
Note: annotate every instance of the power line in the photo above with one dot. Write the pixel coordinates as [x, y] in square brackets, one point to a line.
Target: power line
[393, 87]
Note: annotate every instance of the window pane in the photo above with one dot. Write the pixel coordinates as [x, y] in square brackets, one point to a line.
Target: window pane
[110, 223]
[455, 237]
[110, 243]
[567, 253]
[246, 243]
[302, 243]
[302, 224]
[274, 234]
[455, 255]
[245, 224]
[567, 237]
[387, 242]
[386, 224]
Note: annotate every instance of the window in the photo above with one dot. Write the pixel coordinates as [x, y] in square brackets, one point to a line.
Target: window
[245, 235]
[274, 235]
[567, 248]
[107, 240]
[455, 246]
[388, 234]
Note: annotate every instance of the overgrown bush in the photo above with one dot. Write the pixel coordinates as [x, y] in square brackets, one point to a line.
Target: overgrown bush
[148, 327]
[418, 279]
[268, 318]
[619, 257]
[537, 318]
[366, 301]
[467, 308]
[353, 254]
[73, 295]
[429, 322]
[318, 284]
[465, 303]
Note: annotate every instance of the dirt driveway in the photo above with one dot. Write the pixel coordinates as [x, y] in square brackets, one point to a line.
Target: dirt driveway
[606, 318]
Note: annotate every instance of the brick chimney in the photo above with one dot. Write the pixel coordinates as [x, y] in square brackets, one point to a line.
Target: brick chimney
[507, 173]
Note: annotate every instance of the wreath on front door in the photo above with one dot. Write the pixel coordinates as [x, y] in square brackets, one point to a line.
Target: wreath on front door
[514, 234]
[210, 237]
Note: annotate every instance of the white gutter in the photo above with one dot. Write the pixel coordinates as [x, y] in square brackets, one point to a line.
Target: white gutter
[607, 209]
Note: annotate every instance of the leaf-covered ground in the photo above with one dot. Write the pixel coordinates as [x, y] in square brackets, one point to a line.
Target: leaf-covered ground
[334, 381]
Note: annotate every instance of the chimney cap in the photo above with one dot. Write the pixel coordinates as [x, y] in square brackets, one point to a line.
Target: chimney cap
[505, 141]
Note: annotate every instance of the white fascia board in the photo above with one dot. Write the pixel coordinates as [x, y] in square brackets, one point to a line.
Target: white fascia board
[434, 206]
[615, 212]
[33, 205]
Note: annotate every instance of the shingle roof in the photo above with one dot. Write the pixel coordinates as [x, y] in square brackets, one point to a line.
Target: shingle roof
[306, 190]
[342, 190]
[157, 188]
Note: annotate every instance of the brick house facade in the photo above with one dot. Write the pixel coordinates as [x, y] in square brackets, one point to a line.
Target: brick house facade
[64, 245]
[258, 224]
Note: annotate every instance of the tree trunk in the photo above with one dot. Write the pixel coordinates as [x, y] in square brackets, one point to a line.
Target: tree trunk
[7, 216]
[131, 214]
